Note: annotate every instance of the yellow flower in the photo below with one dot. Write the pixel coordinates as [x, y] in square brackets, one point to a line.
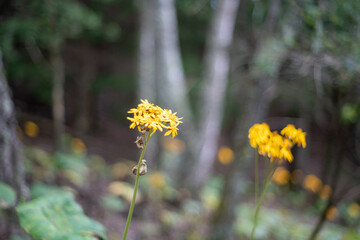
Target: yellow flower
[225, 155]
[332, 213]
[281, 176]
[31, 129]
[273, 145]
[325, 192]
[313, 183]
[148, 116]
[354, 210]
[295, 135]
[78, 146]
[259, 134]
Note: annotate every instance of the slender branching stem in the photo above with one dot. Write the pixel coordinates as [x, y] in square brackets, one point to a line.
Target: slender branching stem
[267, 182]
[136, 186]
[256, 177]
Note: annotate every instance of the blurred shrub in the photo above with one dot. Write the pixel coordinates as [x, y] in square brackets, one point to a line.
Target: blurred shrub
[281, 224]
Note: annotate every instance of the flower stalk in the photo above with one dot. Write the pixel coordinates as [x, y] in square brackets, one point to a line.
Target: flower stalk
[267, 182]
[256, 177]
[148, 118]
[276, 147]
[136, 186]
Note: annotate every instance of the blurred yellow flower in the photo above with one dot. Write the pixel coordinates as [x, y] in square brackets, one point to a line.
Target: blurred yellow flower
[274, 145]
[354, 210]
[259, 134]
[174, 145]
[148, 116]
[325, 192]
[31, 129]
[312, 183]
[225, 155]
[281, 176]
[78, 146]
[332, 213]
[157, 180]
[297, 136]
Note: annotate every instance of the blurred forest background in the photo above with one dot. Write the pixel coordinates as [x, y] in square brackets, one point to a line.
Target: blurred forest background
[71, 69]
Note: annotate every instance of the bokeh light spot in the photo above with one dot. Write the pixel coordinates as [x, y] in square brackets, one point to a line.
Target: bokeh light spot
[31, 129]
[225, 155]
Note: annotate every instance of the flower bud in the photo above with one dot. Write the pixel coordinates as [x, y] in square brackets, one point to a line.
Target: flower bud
[142, 170]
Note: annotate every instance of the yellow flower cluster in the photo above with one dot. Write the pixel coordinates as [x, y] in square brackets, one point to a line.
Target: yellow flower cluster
[148, 116]
[273, 145]
[295, 135]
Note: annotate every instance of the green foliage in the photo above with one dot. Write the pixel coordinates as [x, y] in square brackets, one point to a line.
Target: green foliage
[39, 163]
[47, 167]
[350, 113]
[7, 196]
[210, 194]
[352, 235]
[19, 238]
[58, 217]
[268, 58]
[112, 203]
[26, 38]
[281, 224]
[39, 189]
[73, 166]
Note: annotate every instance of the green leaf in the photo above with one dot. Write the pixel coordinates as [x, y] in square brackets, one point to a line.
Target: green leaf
[19, 238]
[7, 196]
[39, 189]
[58, 217]
[349, 113]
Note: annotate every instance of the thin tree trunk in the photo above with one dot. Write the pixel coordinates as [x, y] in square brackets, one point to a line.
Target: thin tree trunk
[146, 55]
[171, 85]
[11, 155]
[216, 73]
[58, 76]
[256, 99]
[147, 68]
[58, 104]
[84, 103]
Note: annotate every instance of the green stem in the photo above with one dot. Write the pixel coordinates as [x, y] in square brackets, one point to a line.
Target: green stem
[256, 177]
[268, 178]
[135, 188]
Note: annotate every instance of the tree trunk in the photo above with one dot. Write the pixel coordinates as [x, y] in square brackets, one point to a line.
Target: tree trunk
[11, 155]
[147, 69]
[85, 98]
[171, 85]
[146, 54]
[216, 73]
[58, 76]
[256, 96]
[58, 104]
